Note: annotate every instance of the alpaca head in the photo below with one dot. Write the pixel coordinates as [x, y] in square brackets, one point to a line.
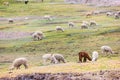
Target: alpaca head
[11, 68]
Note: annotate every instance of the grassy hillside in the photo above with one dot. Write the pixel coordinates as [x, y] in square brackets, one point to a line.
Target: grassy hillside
[68, 43]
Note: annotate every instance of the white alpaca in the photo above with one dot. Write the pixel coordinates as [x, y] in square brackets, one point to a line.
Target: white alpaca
[26, 18]
[85, 22]
[71, 24]
[38, 35]
[6, 3]
[84, 26]
[118, 13]
[109, 14]
[48, 17]
[116, 16]
[59, 28]
[46, 57]
[106, 49]
[10, 20]
[93, 23]
[18, 62]
[94, 56]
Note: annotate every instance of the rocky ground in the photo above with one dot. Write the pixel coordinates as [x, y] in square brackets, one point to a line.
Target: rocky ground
[96, 2]
[101, 75]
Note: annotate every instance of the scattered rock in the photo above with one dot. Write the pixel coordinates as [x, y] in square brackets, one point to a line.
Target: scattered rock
[101, 75]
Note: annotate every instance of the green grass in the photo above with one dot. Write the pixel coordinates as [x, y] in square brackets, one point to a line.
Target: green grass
[68, 43]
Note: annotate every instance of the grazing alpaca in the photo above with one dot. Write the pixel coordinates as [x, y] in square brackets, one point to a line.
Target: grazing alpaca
[71, 24]
[85, 56]
[109, 14]
[118, 13]
[93, 23]
[6, 3]
[55, 58]
[38, 35]
[18, 62]
[10, 20]
[48, 17]
[85, 22]
[89, 14]
[58, 57]
[84, 26]
[46, 57]
[59, 28]
[116, 16]
[94, 56]
[106, 49]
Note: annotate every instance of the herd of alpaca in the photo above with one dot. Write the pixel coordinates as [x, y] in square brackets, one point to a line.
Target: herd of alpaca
[57, 58]
[38, 35]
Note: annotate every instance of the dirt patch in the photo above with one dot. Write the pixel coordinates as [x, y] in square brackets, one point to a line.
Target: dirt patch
[13, 35]
[101, 75]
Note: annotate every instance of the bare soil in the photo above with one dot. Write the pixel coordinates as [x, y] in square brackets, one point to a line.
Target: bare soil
[13, 35]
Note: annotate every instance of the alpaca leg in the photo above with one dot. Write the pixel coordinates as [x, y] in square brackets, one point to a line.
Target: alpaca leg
[111, 52]
[26, 66]
[59, 60]
[102, 52]
[52, 61]
[63, 61]
[18, 67]
[38, 38]
[84, 59]
[80, 59]
[44, 61]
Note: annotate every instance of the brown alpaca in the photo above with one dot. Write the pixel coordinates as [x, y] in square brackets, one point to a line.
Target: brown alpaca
[85, 56]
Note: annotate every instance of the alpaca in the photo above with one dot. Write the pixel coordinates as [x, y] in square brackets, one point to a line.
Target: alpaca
[84, 26]
[94, 56]
[18, 62]
[58, 57]
[10, 20]
[59, 28]
[38, 35]
[54, 58]
[109, 14]
[85, 56]
[85, 22]
[118, 13]
[89, 14]
[93, 23]
[116, 16]
[106, 49]
[46, 57]
[6, 3]
[48, 17]
[71, 24]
